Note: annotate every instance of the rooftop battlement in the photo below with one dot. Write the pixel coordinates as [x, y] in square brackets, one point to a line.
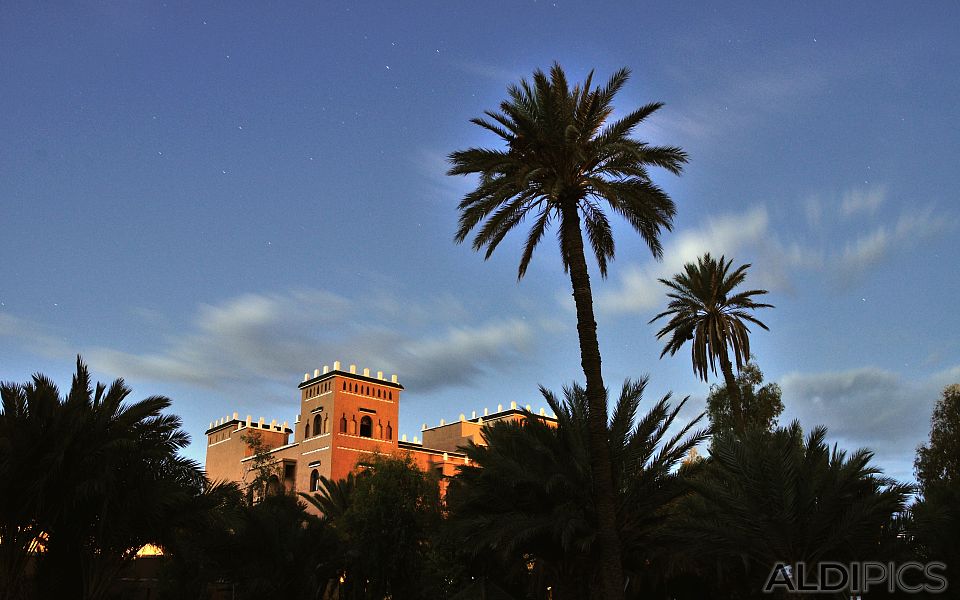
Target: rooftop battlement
[489, 416]
[327, 371]
[235, 422]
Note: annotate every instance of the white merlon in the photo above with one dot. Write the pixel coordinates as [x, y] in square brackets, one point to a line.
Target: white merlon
[273, 423]
[484, 411]
[306, 376]
[326, 369]
[416, 440]
[249, 420]
[297, 421]
[285, 425]
[499, 408]
[211, 425]
[446, 457]
[235, 416]
[463, 417]
[424, 428]
[527, 407]
[403, 438]
[543, 413]
[393, 379]
[336, 365]
[316, 372]
[366, 372]
[260, 422]
[239, 425]
[513, 404]
[480, 420]
[353, 369]
[473, 414]
[380, 375]
[442, 422]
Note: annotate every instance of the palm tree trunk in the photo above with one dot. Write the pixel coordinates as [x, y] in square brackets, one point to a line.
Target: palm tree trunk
[611, 569]
[733, 392]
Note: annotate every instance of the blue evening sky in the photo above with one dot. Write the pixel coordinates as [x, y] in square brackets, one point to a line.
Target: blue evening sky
[212, 199]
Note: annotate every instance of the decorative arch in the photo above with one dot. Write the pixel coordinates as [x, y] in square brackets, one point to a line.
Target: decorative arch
[315, 481]
[316, 425]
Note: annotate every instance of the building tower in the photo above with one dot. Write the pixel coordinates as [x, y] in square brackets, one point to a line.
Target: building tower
[345, 417]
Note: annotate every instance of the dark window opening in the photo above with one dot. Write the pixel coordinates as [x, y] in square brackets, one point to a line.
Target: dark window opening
[343, 424]
[366, 427]
[315, 481]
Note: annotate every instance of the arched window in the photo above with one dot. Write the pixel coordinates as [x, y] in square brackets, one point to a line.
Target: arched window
[389, 431]
[315, 481]
[343, 424]
[379, 430]
[366, 427]
[316, 425]
[344, 386]
[306, 430]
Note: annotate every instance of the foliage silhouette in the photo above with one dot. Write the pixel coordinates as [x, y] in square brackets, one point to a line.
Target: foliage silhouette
[526, 495]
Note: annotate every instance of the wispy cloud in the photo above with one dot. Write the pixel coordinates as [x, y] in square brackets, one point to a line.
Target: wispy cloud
[737, 105]
[751, 237]
[862, 200]
[868, 249]
[32, 336]
[867, 407]
[258, 340]
[735, 235]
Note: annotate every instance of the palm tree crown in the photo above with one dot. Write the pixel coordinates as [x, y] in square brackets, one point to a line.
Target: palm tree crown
[706, 310]
[561, 158]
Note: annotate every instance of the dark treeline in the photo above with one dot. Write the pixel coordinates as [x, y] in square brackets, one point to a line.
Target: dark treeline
[89, 479]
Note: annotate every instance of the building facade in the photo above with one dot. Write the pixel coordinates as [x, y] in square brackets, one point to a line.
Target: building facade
[345, 418]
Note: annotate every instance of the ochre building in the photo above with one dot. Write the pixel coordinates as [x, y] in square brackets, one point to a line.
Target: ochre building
[345, 418]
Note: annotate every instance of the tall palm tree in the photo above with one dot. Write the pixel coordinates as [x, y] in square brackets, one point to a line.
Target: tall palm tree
[708, 312]
[527, 492]
[563, 161]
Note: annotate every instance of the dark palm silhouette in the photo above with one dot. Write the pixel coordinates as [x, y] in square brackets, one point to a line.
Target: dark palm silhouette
[100, 478]
[765, 497]
[563, 163]
[527, 492]
[706, 310]
[332, 498]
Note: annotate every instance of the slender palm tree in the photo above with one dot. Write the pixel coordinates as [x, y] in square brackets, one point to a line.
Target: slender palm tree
[527, 492]
[708, 312]
[563, 161]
